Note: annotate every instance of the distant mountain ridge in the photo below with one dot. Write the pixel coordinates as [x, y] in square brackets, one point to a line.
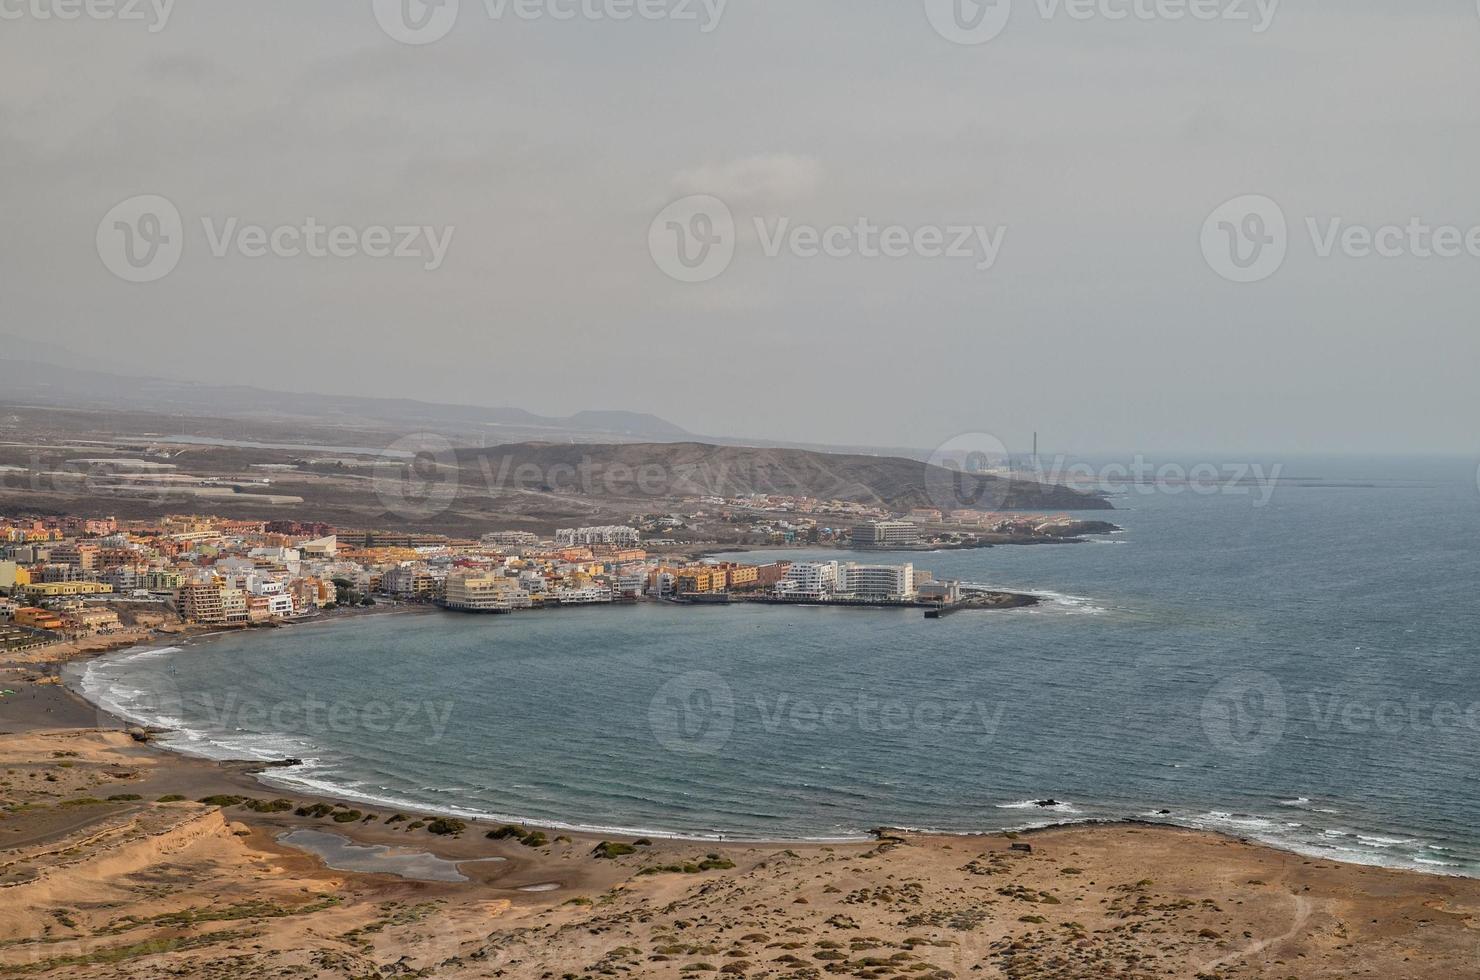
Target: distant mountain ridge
[54, 385]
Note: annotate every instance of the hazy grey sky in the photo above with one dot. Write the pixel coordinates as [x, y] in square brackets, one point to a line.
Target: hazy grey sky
[548, 146]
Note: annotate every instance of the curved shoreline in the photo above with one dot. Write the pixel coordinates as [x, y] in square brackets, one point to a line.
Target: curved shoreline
[1102, 899]
[261, 773]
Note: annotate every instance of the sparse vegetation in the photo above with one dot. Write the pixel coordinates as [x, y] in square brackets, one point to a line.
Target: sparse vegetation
[711, 863]
[507, 831]
[222, 800]
[317, 810]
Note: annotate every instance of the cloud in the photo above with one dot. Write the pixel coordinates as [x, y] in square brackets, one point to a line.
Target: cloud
[754, 180]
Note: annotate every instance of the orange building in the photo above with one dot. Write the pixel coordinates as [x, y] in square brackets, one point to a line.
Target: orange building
[39, 619]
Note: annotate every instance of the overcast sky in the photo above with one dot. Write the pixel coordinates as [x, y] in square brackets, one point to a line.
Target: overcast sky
[1091, 151]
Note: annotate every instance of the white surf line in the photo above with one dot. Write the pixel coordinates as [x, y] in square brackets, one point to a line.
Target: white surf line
[1302, 915]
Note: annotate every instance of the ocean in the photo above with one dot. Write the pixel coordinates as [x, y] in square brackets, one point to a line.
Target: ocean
[1299, 671]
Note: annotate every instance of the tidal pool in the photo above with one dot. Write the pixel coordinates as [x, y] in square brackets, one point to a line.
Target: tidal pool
[341, 854]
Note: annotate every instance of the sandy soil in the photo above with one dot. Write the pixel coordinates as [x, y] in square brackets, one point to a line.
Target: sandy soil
[100, 878]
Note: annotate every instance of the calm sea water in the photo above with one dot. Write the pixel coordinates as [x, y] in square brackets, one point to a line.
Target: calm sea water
[1302, 673]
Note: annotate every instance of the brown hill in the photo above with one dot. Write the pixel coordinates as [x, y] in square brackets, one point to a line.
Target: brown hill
[688, 469]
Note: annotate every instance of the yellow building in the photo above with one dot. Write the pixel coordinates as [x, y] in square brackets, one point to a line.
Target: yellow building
[701, 578]
[58, 590]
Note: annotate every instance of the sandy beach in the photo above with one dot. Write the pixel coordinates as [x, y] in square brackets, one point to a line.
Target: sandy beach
[111, 868]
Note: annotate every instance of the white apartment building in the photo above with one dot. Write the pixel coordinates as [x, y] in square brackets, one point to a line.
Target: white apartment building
[810, 579]
[280, 604]
[581, 597]
[878, 581]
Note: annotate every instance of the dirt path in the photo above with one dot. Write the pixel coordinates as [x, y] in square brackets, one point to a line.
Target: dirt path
[1302, 915]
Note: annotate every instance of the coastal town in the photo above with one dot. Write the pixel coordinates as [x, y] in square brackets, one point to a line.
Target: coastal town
[68, 576]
